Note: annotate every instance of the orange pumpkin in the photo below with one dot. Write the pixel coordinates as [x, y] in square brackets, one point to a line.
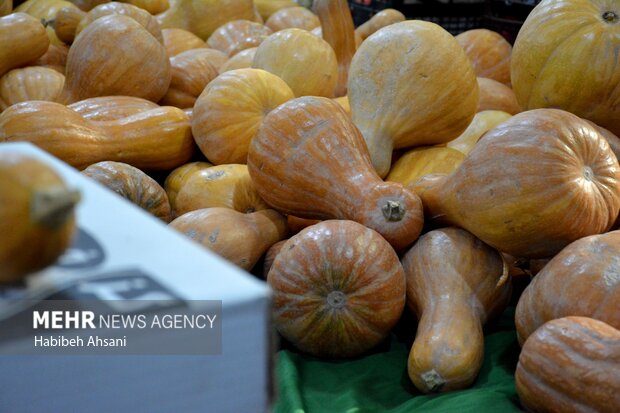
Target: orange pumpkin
[55, 58]
[489, 53]
[191, 73]
[378, 21]
[292, 18]
[27, 39]
[178, 41]
[30, 83]
[238, 35]
[108, 108]
[496, 96]
[66, 22]
[178, 177]
[139, 15]
[241, 60]
[338, 289]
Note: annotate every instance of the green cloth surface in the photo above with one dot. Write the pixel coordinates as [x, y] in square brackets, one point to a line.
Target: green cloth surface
[378, 382]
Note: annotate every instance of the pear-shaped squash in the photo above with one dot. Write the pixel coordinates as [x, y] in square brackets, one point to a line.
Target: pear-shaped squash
[309, 160]
[238, 35]
[489, 53]
[378, 21]
[410, 84]
[178, 41]
[338, 289]
[532, 185]
[496, 96]
[293, 18]
[30, 83]
[23, 40]
[191, 73]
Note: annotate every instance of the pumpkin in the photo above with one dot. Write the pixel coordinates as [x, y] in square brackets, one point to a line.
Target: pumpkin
[581, 280]
[241, 60]
[239, 238]
[6, 7]
[612, 140]
[66, 22]
[293, 18]
[191, 73]
[338, 30]
[87, 5]
[489, 53]
[215, 57]
[231, 108]
[570, 365]
[26, 37]
[338, 289]
[37, 217]
[309, 160]
[305, 62]
[532, 185]
[238, 35]
[55, 58]
[455, 283]
[564, 58]
[296, 224]
[318, 31]
[482, 123]
[97, 67]
[178, 177]
[45, 11]
[423, 161]
[151, 6]
[268, 7]
[178, 41]
[344, 102]
[133, 185]
[437, 89]
[157, 139]
[496, 96]
[30, 83]
[222, 186]
[107, 108]
[270, 256]
[139, 15]
[378, 21]
[202, 17]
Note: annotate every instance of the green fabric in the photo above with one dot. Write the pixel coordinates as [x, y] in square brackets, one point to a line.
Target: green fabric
[378, 382]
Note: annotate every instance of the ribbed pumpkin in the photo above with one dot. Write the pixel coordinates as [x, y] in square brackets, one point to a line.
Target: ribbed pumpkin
[239, 238]
[423, 161]
[482, 123]
[309, 160]
[582, 280]
[238, 35]
[489, 53]
[231, 108]
[26, 37]
[178, 177]
[400, 99]
[191, 73]
[496, 96]
[570, 365]
[97, 67]
[293, 18]
[455, 283]
[178, 41]
[241, 60]
[30, 83]
[378, 21]
[532, 185]
[305, 62]
[139, 15]
[36, 216]
[338, 289]
[564, 58]
[108, 108]
[133, 185]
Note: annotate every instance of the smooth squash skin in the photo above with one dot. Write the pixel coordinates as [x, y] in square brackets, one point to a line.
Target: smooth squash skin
[410, 84]
[55, 58]
[30, 83]
[293, 18]
[45, 11]
[133, 185]
[237, 237]
[423, 161]
[178, 177]
[66, 22]
[564, 58]
[23, 40]
[157, 139]
[233, 37]
[107, 108]
[241, 60]
[570, 365]
[489, 53]
[532, 185]
[37, 217]
[581, 280]
[178, 41]
[139, 15]
[482, 123]
[338, 289]
[309, 160]
[378, 21]
[229, 111]
[496, 96]
[191, 73]
[455, 283]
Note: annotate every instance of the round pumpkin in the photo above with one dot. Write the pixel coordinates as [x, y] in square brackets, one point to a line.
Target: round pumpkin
[338, 289]
[139, 15]
[30, 83]
[241, 60]
[238, 35]
[178, 41]
[178, 177]
[293, 18]
[564, 58]
[489, 53]
[496, 96]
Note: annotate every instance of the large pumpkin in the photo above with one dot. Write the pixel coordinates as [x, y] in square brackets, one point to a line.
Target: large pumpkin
[238, 35]
[566, 57]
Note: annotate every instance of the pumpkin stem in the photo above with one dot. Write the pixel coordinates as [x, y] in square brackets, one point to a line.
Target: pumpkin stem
[393, 211]
[336, 299]
[53, 207]
[611, 17]
[433, 381]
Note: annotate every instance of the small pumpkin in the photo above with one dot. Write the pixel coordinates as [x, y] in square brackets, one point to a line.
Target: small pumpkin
[423, 161]
[482, 123]
[225, 186]
[309, 160]
[139, 15]
[37, 217]
[532, 185]
[132, 184]
[581, 280]
[305, 62]
[66, 22]
[191, 73]
[455, 283]
[30, 83]
[570, 365]
[293, 18]
[45, 11]
[231, 108]
[237, 237]
[27, 39]
[55, 58]
[241, 60]
[178, 41]
[96, 67]
[496, 96]
[423, 97]
[380, 20]
[238, 35]
[338, 289]
[489, 53]
[178, 177]
[108, 108]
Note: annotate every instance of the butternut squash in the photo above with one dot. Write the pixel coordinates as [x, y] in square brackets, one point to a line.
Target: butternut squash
[107, 108]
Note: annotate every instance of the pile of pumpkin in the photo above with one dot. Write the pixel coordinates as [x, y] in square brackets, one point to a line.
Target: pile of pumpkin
[389, 166]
